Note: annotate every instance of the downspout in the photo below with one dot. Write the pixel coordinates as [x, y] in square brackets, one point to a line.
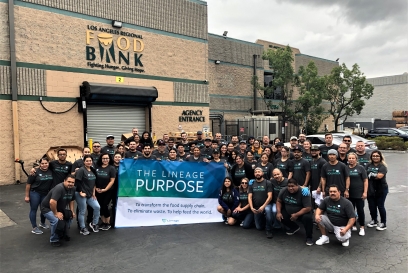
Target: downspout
[14, 91]
[255, 100]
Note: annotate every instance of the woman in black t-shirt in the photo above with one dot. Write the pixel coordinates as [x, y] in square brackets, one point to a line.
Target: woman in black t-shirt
[242, 213]
[265, 166]
[105, 178]
[228, 200]
[37, 188]
[284, 163]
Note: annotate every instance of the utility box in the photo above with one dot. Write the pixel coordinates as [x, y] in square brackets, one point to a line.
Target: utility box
[259, 126]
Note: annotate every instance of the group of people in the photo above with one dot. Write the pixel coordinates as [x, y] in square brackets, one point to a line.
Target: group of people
[326, 186]
[266, 182]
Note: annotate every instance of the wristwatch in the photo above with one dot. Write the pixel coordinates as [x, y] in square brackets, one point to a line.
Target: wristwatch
[347, 189]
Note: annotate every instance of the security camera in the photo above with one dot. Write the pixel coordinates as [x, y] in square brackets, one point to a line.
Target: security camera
[205, 81]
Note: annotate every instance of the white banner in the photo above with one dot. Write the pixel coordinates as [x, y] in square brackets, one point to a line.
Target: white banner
[159, 211]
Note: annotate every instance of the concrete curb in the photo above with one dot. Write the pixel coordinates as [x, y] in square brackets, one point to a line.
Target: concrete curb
[393, 151]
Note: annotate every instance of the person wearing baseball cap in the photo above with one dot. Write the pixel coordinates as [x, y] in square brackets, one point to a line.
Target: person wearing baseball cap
[206, 151]
[293, 142]
[162, 153]
[300, 169]
[334, 172]
[109, 148]
[242, 148]
[316, 166]
[199, 142]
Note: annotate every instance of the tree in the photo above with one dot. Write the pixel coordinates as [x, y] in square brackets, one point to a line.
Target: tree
[283, 78]
[345, 91]
[308, 106]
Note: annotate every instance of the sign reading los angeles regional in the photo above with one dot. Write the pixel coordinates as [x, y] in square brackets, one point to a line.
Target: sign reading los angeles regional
[114, 49]
[153, 193]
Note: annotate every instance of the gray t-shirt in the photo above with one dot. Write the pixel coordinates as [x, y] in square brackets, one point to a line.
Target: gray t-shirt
[60, 194]
[300, 168]
[364, 159]
[339, 212]
[41, 181]
[294, 202]
[85, 181]
[335, 174]
[357, 176]
[259, 192]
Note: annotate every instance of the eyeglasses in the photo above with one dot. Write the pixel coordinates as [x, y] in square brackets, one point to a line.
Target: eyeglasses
[244, 183]
[96, 146]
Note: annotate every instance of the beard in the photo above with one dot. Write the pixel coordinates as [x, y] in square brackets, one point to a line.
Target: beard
[258, 177]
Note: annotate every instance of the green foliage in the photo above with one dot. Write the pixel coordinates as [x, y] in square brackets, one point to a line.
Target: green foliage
[391, 143]
[308, 106]
[346, 90]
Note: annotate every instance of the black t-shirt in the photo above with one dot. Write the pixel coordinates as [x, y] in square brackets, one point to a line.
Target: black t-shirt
[95, 158]
[130, 154]
[85, 181]
[339, 212]
[344, 160]
[228, 199]
[60, 171]
[77, 164]
[243, 198]
[199, 143]
[294, 202]
[161, 156]
[307, 156]
[183, 157]
[191, 158]
[376, 186]
[110, 150]
[152, 157]
[267, 170]
[277, 187]
[259, 192]
[335, 174]
[41, 181]
[284, 166]
[206, 152]
[364, 159]
[60, 194]
[315, 172]
[357, 176]
[239, 174]
[324, 149]
[300, 168]
[103, 176]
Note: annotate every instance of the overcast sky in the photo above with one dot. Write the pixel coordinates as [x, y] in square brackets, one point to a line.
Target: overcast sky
[371, 33]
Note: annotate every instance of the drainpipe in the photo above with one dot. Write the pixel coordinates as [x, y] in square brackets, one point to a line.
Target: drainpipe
[14, 91]
[255, 100]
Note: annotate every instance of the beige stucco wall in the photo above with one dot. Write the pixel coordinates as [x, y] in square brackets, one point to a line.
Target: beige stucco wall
[6, 146]
[61, 40]
[4, 30]
[165, 119]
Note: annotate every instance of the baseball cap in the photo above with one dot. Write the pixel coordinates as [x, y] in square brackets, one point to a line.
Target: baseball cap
[161, 142]
[242, 141]
[297, 147]
[279, 144]
[314, 147]
[216, 151]
[332, 152]
[293, 138]
[207, 139]
[110, 136]
[199, 133]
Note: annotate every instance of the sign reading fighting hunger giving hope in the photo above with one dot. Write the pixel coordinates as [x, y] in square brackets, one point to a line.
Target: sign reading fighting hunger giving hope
[153, 193]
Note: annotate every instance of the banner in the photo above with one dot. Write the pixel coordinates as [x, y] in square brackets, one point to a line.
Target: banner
[153, 193]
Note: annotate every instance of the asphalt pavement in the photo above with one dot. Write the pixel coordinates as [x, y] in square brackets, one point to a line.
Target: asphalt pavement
[206, 247]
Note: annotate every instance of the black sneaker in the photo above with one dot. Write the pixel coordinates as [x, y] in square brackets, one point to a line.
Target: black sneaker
[94, 228]
[105, 226]
[309, 241]
[56, 244]
[269, 234]
[291, 232]
[84, 231]
[102, 226]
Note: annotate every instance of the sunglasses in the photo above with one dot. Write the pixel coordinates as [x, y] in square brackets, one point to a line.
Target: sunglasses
[346, 140]
[96, 146]
[244, 183]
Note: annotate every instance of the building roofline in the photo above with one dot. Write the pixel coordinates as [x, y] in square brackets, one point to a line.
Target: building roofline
[233, 39]
[326, 60]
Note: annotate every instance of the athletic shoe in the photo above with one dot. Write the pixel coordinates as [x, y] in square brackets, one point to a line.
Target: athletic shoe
[242, 224]
[372, 223]
[105, 226]
[94, 228]
[291, 232]
[55, 244]
[101, 226]
[323, 240]
[269, 234]
[36, 231]
[381, 226]
[309, 241]
[345, 243]
[361, 232]
[41, 225]
[354, 228]
[84, 231]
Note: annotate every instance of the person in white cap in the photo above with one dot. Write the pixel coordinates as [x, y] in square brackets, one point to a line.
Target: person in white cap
[334, 172]
[109, 148]
[293, 143]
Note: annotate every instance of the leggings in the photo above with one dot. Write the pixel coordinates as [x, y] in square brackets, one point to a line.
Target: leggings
[359, 204]
[104, 199]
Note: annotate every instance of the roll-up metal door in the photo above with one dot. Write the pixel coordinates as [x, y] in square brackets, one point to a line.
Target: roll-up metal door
[104, 120]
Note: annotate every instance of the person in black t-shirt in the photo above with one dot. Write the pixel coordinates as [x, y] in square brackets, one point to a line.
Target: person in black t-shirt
[54, 205]
[181, 153]
[80, 162]
[316, 166]
[161, 153]
[328, 138]
[109, 148]
[135, 132]
[265, 166]
[284, 163]
[291, 206]
[37, 188]
[228, 200]
[242, 213]
[133, 152]
[196, 156]
[241, 170]
[96, 151]
[335, 214]
[259, 199]
[363, 157]
[300, 167]
[278, 183]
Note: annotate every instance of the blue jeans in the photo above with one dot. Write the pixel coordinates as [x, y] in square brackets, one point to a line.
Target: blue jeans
[53, 225]
[375, 203]
[275, 223]
[261, 218]
[35, 201]
[246, 217]
[82, 202]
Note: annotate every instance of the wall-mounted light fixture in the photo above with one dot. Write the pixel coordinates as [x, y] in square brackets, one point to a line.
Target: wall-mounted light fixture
[217, 62]
[117, 24]
[225, 33]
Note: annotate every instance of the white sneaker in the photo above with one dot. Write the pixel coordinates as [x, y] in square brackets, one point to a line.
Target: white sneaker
[354, 228]
[345, 243]
[323, 240]
[381, 226]
[362, 232]
[372, 223]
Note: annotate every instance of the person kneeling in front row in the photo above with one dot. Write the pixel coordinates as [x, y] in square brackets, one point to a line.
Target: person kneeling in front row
[228, 200]
[339, 217]
[292, 205]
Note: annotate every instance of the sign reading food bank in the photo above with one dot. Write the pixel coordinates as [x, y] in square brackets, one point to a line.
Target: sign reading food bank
[114, 49]
[153, 193]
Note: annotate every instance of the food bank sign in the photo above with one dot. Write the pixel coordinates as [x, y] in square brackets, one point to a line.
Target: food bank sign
[114, 49]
